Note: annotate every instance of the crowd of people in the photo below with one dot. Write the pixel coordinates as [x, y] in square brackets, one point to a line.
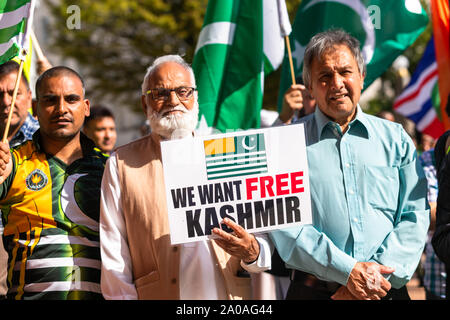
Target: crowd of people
[78, 224]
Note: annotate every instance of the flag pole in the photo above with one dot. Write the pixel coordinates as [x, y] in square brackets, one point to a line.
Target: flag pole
[13, 102]
[291, 65]
[36, 45]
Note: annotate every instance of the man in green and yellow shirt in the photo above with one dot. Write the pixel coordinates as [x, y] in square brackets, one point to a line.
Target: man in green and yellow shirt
[49, 197]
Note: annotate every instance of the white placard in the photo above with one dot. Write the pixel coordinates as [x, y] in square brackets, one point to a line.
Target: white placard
[258, 178]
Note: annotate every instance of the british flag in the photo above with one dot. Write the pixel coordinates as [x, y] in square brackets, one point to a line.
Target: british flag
[419, 101]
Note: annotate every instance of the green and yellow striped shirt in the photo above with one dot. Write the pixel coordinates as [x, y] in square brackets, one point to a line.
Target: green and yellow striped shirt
[50, 213]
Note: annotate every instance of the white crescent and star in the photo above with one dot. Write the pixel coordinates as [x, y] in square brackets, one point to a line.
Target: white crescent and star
[246, 147]
[70, 206]
[369, 45]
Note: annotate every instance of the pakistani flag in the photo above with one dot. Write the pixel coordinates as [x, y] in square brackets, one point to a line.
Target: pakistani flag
[235, 156]
[15, 23]
[241, 41]
[385, 29]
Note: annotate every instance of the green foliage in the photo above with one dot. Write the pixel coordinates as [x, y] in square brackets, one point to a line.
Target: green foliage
[118, 39]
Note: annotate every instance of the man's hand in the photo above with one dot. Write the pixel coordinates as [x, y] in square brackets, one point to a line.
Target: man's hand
[292, 102]
[366, 281]
[5, 161]
[242, 244]
[42, 65]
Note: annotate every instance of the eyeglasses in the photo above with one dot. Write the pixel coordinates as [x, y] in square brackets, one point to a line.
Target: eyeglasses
[162, 94]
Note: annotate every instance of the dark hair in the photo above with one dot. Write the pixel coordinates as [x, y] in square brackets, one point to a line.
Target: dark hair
[55, 72]
[10, 67]
[323, 41]
[97, 112]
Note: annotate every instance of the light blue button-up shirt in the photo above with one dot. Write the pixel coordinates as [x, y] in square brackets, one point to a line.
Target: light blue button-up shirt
[368, 195]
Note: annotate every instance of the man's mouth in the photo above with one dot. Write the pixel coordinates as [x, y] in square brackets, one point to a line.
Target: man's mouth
[61, 120]
[338, 97]
[173, 111]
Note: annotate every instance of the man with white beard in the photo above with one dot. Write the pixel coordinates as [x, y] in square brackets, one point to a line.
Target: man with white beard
[138, 260]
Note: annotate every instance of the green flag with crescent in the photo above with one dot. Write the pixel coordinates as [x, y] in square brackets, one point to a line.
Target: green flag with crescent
[385, 29]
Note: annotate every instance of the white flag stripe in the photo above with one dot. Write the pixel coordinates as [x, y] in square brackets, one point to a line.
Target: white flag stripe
[63, 286]
[283, 16]
[414, 105]
[222, 174]
[274, 30]
[5, 46]
[63, 239]
[231, 167]
[9, 19]
[213, 158]
[427, 119]
[431, 68]
[216, 33]
[236, 161]
[59, 262]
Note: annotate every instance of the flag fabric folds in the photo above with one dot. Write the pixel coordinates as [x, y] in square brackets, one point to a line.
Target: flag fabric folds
[420, 100]
[241, 41]
[15, 23]
[440, 18]
[384, 28]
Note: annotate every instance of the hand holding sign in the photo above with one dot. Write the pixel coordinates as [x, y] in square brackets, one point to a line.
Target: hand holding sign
[242, 245]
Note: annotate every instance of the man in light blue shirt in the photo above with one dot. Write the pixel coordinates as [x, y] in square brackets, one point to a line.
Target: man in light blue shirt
[368, 191]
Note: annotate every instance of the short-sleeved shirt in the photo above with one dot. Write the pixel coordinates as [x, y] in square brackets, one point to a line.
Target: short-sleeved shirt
[50, 213]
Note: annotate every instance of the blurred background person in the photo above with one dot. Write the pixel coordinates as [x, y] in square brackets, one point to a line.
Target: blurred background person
[100, 127]
[386, 115]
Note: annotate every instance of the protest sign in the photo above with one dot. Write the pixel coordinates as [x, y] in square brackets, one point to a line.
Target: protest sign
[258, 178]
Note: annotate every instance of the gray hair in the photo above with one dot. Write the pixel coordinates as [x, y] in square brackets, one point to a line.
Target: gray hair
[163, 59]
[323, 41]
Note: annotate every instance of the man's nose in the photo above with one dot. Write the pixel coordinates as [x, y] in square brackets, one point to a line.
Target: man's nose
[61, 105]
[337, 82]
[173, 99]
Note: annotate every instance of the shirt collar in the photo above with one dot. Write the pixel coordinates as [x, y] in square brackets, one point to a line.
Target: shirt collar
[357, 126]
[87, 145]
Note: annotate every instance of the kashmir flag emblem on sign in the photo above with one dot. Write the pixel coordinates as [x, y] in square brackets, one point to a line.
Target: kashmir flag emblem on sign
[15, 23]
[235, 156]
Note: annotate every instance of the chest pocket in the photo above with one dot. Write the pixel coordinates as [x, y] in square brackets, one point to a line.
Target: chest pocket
[382, 187]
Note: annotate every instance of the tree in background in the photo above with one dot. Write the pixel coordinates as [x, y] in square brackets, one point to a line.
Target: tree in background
[118, 39]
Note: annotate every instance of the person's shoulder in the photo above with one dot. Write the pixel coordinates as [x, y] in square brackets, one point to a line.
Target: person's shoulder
[385, 129]
[25, 149]
[142, 144]
[306, 119]
[383, 123]
[440, 148]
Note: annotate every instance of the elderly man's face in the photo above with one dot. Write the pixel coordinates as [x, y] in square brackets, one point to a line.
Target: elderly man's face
[21, 106]
[169, 75]
[173, 113]
[336, 83]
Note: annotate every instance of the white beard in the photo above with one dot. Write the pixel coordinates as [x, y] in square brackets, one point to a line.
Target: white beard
[173, 126]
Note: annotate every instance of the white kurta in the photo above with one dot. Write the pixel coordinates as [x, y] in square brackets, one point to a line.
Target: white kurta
[200, 276]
